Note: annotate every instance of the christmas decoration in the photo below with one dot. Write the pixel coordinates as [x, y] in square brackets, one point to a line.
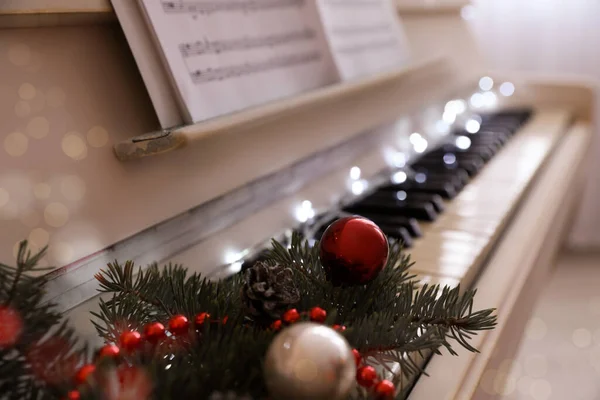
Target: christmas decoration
[84, 373]
[223, 339]
[317, 314]
[33, 364]
[353, 251]
[154, 332]
[10, 327]
[309, 361]
[385, 390]
[109, 351]
[268, 291]
[130, 340]
[179, 325]
[201, 319]
[366, 376]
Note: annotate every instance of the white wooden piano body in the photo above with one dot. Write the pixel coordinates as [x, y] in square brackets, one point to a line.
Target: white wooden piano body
[71, 91]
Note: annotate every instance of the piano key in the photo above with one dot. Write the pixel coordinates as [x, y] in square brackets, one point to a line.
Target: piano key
[399, 233]
[419, 210]
[471, 166]
[485, 152]
[410, 196]
[483, 208]
[442, 188]
[457, 177]
[410, 224]
[484, 227]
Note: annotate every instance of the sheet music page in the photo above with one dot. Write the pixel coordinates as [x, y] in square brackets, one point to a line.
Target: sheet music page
[365, 36]
[227, 55]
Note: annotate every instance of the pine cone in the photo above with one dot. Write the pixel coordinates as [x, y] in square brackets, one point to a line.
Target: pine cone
[269, 291]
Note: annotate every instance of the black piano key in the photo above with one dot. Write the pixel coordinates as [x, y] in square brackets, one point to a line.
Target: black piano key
[410, 196]
[471, 166]
[398, 233]
[421, 211]
[453, 158]
[457, 177]
[445, 189]
[410, 224]
[483, 151]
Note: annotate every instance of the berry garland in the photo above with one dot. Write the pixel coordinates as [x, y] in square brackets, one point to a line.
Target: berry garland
[179, 325]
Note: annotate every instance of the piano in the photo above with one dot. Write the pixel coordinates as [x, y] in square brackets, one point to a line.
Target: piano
[478, 172]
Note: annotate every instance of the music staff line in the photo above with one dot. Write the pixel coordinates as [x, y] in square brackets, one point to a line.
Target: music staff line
[216, 6]
[206, 46]
[366, 47]
[221, 73]
[360, 30]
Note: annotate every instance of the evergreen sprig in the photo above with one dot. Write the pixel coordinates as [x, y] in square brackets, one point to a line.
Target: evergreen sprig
[391, 320]
[41, 359]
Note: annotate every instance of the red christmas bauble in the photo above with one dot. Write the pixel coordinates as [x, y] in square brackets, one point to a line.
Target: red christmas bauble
[353, 251]
[109, 351]
[130, 340]
[154, 332]
[179, 325]
[385, 390]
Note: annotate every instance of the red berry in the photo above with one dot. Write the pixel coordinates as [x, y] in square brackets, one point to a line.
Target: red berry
[276, 325]
[339, 328]
[130, 340]
[109, 351]
[73, 395]
[179, 325]
[366, 376]
[357, 357]
[385, 390]
[291, 316]
[11, 326]
[84, 372]
[225, 319]
[201, 318]
[154, 332]
[317, 314]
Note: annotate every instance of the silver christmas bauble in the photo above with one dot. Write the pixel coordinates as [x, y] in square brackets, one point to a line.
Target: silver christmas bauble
[309, 361]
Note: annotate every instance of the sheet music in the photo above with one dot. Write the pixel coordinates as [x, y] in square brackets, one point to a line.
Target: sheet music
[226, 55]
[365, 36]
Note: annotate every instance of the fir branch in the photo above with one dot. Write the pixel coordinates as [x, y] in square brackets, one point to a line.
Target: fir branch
[40, 360]
[390, 320]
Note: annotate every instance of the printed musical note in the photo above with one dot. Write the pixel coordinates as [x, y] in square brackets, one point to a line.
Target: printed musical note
[246, 43]
[215, 6]
[222, 73]
[227, 55]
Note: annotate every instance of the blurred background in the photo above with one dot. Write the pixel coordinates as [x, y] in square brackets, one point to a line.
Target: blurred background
[546, 37]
